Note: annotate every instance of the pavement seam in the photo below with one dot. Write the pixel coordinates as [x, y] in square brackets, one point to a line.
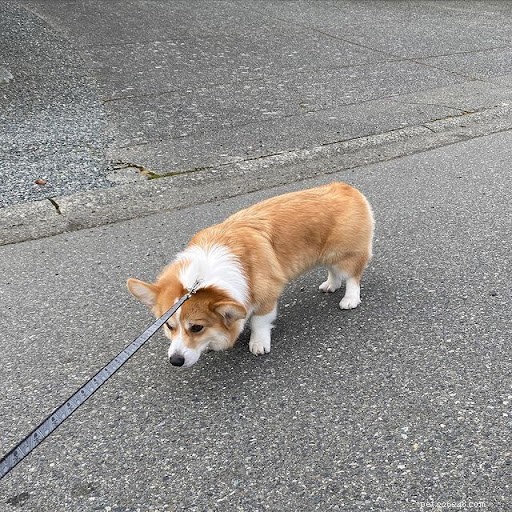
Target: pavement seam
[311, 28]
[84, 210]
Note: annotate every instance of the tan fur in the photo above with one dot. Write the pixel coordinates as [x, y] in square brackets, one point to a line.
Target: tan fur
[275, 241]
[280, 238]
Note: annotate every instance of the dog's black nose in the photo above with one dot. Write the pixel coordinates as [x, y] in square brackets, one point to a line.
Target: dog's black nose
[177, 360]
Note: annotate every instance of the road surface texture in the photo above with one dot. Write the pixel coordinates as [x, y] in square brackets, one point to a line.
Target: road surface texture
[403, 401]
[127, 126]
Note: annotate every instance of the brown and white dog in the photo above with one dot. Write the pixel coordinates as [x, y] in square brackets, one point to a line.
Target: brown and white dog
[244, 263]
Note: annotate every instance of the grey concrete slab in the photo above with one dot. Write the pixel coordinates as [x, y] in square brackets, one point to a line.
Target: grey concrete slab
[473, 96]
[188, 85]
[313, 129]
[405, 400]
[284, 134]
[484, 65]
[185, 113]
[420, 29]
[120, 21]
[505, 80]
[197, 60]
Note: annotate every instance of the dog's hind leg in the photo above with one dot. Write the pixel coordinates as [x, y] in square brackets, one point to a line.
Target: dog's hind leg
[353, 266]
[352, 297]
[334, 280]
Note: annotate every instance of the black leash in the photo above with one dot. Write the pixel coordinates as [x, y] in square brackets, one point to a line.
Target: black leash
[59, 415]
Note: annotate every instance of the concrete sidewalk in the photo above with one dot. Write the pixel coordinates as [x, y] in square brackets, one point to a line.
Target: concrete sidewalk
[401, 404]
[101, 94]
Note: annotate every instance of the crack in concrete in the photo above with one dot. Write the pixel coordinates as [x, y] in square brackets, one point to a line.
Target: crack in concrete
[144, 171]
[151, 175]
[214, 183]
[55, 205]
[370, 139]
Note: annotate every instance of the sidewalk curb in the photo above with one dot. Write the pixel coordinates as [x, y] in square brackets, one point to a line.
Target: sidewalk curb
[82, 210]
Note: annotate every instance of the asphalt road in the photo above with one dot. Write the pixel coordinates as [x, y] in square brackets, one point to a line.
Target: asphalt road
[400, 404]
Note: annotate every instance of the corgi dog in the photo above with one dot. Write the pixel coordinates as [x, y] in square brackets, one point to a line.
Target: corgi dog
[243, 264]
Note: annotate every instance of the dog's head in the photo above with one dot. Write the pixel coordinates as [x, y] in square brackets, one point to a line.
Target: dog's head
[210, 319]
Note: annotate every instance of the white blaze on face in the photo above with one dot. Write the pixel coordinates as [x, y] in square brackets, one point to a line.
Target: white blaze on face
[190, 355]
[178, 346]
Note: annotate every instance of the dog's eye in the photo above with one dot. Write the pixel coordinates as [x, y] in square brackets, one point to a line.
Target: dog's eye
[196, 328]
[170, 327]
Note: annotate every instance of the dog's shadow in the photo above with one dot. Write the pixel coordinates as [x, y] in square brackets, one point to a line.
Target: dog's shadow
[305, 324]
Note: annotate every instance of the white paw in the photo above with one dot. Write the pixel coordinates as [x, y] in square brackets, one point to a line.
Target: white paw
[259, 346]
[350, 302]
[328, 287]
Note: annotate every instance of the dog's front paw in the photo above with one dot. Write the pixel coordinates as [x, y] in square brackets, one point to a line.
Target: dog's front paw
[349, 302]
[259, 346]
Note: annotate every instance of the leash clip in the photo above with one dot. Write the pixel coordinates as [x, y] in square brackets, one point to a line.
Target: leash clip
[193, 289]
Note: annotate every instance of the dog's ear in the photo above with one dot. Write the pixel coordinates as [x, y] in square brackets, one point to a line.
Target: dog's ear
[230, 311]
[145, 292]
